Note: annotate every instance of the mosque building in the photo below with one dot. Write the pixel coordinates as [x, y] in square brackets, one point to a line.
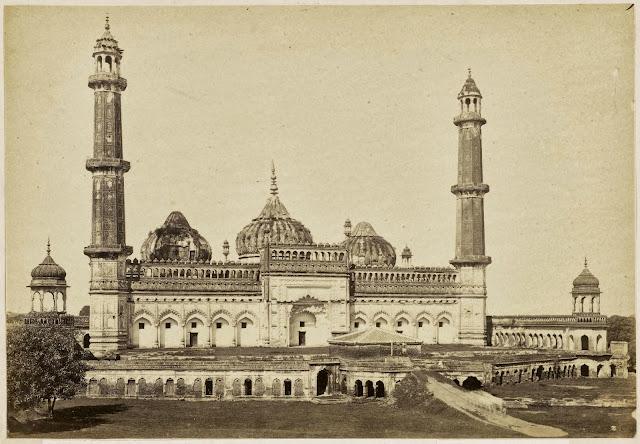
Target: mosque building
[289, 290]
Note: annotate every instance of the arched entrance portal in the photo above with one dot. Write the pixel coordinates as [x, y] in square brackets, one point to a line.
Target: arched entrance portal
[370, 390]
[584, 370]
[584, 342]
[302, 328]
[322, 382]
[379, 389]
[358, 388]
[86, 341]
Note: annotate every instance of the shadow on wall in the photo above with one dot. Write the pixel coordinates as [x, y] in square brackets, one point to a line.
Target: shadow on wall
[64, 420]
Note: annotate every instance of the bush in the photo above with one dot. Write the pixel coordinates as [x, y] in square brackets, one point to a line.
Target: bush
[411, 392]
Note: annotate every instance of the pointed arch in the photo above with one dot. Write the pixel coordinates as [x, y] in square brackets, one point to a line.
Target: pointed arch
[405, 315]
[170, 313]
[361, 315]
[222, 313]
[196, 313]
[144, 313]
[444, 314]
[248, 314]
[425, 315]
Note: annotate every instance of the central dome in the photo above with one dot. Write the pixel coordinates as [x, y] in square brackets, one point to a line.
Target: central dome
[367, 248]
[273, 225]
[175, 240]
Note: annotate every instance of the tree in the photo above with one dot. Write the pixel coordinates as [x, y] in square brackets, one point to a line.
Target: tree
[623, 328]
[411, 391]
[85, 311]
[44, 363]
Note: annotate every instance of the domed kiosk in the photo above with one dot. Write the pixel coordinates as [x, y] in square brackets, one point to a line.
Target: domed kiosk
[175, 240]
[367, 248]
[586, 292]
[273, 225]
[48, 278]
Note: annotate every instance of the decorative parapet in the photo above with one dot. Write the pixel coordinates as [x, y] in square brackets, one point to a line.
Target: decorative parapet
[193, 275]
[187, 365]
[396, 280]
[549, 320]
[313, 259]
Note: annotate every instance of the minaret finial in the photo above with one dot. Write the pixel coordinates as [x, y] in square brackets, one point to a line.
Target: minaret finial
[48, 246]
[469, 70]
[106, 22]
[274, 185]
[585, 262]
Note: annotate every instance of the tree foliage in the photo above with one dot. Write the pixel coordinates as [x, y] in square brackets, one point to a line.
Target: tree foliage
[623, 328]
[43, 364]
[85, 311]
[411, 392]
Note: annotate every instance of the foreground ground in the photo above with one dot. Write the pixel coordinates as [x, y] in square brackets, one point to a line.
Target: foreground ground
[127, 418]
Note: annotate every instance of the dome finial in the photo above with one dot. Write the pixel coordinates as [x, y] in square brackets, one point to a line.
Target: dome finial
[274, 185]
[48, 246]
[585, 262]
[106, 22]
[469, 70]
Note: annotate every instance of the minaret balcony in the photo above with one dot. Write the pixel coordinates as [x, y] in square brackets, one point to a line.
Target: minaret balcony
[108, 250]
[470, 260]
[107, 80]
[468, 116]
[99, 164]
[474, 190]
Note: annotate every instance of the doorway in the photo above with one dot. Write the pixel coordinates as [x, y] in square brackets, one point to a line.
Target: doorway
[193, 339]
[322, 382]
[287, 387]
[208, 387]
[302, 338]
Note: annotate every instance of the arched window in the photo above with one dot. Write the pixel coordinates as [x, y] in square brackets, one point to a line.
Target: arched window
[584, 342]
[107, 60]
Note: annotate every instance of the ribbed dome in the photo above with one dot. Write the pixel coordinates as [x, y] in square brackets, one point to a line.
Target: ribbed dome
[586, 278]
[367, 248]
[273, 225]
[48, 269]
[176, 240]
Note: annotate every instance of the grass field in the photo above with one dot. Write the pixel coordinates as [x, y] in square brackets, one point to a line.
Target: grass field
[124, 418]
[584, 388]
[583, 422]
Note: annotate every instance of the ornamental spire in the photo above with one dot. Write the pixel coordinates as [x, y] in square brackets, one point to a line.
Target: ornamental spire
[585, 262]
[106, 23]
[274, 185]
[48, 246]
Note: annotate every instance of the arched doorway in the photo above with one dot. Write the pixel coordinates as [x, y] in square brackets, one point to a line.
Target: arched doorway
[208, 387]
[322, 382]
[169, 333]
[584, 370]
[86, 341]
[196, 333]
[302, 329]
[473, 383]
[444, 331]
[131, 387]
[246, 333]
[170, 388]
[247, 387]
[287, 387]
[584, 342]
[370, 391]
[613, 370]
[143, 334]
[222, 333]
[379, 389]
[358, 388]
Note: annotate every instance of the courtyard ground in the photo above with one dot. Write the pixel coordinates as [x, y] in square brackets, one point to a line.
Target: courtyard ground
[578, 388]
[127, 418]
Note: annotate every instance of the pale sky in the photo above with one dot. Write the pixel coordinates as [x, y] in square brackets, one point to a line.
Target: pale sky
[355, 106]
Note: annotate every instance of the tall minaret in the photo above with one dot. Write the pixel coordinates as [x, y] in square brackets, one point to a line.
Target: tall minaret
[108, 250]
[470, 257]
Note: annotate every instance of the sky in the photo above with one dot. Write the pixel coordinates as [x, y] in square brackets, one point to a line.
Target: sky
[355, 107]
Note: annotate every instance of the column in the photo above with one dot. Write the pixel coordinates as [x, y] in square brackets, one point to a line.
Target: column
[156, 343]
[208, 343]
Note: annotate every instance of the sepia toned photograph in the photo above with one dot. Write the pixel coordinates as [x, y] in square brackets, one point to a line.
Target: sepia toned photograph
[341, 221]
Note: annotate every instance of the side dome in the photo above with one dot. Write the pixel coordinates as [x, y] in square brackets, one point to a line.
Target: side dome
[365, 247]
[48, 269]
[273, 225]
[175, 240]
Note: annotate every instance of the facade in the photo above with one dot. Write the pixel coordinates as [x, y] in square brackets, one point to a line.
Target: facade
[584, 330]
[286, 289]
